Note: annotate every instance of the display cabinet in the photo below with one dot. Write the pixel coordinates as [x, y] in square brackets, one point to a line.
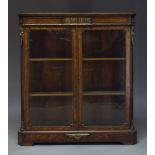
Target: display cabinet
[76, 78]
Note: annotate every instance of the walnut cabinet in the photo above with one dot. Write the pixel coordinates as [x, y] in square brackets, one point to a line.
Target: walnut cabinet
[76, 74]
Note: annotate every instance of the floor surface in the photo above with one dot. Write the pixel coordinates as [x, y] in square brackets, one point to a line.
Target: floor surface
[104, 149]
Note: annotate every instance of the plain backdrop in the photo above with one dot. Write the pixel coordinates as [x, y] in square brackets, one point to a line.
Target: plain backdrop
[140, 69]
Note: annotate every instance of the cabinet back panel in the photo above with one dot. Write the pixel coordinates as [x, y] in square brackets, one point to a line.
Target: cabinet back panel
[50, 111]
[51, 76]
[50, 43]
[104, 76]
[103, 43]
[103, 110]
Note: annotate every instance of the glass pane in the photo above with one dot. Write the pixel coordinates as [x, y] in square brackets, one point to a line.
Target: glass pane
[103, 43]
[51, 76]
[50, 43]
[51, 111]
[103, 76]
[103, 110]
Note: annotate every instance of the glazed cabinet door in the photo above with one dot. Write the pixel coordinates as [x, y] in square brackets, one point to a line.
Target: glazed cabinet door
[105, 76]
[49, 77]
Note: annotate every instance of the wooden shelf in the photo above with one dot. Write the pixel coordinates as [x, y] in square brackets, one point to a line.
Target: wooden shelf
[70, 59]
[51, 94]
[86, 93]
[50, 59]
[100, 59]
[97, 93]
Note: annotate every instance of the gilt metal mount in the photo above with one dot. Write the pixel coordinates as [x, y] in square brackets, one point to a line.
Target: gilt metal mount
[77, 20]
[132, 35]
[21, 37]
[77, 136]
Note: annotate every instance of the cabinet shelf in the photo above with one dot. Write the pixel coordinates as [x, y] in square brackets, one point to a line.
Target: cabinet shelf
[51, 94]
[86, 93]
[70, 59]
[100, 59]
[98, 93]
[49, 59]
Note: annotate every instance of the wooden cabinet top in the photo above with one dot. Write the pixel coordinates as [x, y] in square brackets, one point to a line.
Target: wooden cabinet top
[28, 19]
[76, 14]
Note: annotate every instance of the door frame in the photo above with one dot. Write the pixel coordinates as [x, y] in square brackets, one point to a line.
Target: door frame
[25, 106]
[128, 78]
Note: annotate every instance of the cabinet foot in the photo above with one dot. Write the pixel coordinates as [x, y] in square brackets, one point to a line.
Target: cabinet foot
[23, 141]
[131, 140]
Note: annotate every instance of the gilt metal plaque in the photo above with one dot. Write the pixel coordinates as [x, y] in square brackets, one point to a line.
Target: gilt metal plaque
[77, 20]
